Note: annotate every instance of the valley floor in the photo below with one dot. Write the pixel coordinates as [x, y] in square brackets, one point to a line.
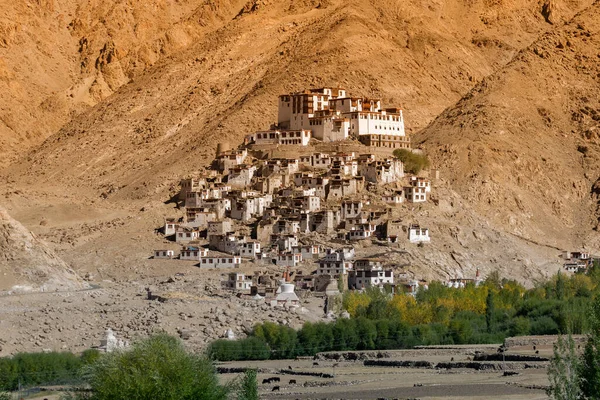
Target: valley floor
[353, 380]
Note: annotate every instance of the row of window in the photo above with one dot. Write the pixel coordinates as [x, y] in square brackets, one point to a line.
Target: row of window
[380, 117]
[216, 261]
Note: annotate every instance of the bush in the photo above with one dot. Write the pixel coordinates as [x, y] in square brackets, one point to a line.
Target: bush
[413, 162]
[544, 325]
[157, 368]
[248, 389]
[519, 326]
[39, 369]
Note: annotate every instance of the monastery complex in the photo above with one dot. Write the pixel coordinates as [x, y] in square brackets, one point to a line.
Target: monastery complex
[291, 202]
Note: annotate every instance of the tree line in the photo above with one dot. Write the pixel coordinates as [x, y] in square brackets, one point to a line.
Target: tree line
[379, 320]
[53, 368]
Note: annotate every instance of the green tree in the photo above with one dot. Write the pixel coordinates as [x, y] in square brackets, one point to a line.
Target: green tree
[89, 356]
[560, 286]
[590, 363]
[413, 162]
[489, 311]
[248, 389]
[519, 326]
[563, 371]
[157, 368]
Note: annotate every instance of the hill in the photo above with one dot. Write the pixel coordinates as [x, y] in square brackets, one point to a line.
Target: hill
[58, 58]
[522, 146]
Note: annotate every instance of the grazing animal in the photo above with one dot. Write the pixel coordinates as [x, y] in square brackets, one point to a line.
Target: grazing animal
[537, 352]
[292, 382]
[534, 347]
[266, 381]
[289, 367]
[316, 363]
[452, 359]
[275, 389]
[275, 379]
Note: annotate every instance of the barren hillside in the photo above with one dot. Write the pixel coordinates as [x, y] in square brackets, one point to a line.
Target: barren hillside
[522, 146]
[59, 57]
[27, 264]
[196, 70]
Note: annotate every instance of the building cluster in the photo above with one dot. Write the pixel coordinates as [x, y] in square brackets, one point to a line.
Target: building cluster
[268, 210]
[577, 261]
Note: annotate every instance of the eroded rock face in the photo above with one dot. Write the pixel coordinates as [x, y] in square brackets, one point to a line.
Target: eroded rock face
[27, 264]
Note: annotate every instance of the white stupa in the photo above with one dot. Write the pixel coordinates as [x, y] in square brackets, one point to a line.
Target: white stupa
[112, 343]
[286, 296]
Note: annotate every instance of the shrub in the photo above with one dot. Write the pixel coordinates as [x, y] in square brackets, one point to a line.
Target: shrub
[544, 325]
[157, 368]
[413, 162]
[248, 389]
[519, 326]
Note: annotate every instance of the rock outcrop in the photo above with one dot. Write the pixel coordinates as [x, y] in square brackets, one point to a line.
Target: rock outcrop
[27, 264]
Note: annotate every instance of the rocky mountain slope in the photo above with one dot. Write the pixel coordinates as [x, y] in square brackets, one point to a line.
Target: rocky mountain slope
[522, 146]
[199, 70]
[58, 58]
[27, 264]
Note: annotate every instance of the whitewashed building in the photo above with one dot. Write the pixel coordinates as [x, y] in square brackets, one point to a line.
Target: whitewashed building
[249, 249]
[369, 273]
[164, 254]
[216, 260]
[334, 263]
[193, 253]
[415, 194]
[300, 137]
[238, 282]
[288, 259]
[170, 226]
[307, 251]
[417, 234]
[184, 235]
[331, 115]
[362, 231]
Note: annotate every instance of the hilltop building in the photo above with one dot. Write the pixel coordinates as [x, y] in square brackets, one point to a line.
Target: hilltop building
[331, 115]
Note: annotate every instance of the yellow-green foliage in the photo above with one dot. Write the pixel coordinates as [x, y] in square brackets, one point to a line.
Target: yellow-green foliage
[354, 300]
[413, 162]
